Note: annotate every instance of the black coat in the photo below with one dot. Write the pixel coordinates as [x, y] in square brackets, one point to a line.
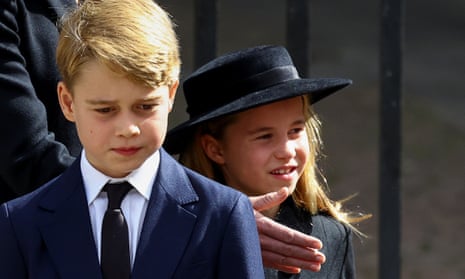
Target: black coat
[37, 142]
[336, 238]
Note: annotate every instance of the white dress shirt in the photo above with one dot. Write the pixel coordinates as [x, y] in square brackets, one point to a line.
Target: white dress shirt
[134, 205]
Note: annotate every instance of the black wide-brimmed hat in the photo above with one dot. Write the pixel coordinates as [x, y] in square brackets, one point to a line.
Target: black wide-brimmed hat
[242, 80]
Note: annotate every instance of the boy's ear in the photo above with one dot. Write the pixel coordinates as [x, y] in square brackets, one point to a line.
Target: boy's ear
[172, 93]
[212, 149]
[65, 98]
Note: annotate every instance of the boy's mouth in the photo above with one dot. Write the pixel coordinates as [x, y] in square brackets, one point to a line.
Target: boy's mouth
[126, 151]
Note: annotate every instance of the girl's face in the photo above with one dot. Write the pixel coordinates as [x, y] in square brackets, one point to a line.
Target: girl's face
[264, 148]
[120, 123]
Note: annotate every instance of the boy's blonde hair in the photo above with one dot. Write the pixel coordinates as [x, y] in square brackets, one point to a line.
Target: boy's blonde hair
[135, 39]
[310, 191]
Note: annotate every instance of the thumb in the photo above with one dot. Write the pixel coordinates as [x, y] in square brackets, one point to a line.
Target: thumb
[269, 200]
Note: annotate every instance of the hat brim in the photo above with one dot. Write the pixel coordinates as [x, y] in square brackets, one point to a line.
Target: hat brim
[316, 89]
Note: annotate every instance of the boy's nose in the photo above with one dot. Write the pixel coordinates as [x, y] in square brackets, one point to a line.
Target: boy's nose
[128, 129]
[133, 130]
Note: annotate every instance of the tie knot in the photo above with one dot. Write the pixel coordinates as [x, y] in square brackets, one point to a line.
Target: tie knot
[116, 193]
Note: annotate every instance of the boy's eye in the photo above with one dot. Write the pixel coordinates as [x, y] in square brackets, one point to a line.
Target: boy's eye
[146, 106]
[104, 110]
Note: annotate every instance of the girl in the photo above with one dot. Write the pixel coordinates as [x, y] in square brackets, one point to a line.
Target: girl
[252, 127]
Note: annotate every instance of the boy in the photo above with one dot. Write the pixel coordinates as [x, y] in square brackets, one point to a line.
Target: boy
[120, 64]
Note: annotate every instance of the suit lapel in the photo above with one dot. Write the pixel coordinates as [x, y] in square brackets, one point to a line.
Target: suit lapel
[66, 228]
[168, 224]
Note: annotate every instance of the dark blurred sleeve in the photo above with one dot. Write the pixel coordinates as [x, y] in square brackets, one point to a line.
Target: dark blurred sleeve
[29, 153]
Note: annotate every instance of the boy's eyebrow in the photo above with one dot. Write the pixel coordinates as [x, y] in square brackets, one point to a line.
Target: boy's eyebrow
[151, 98]
[100, 102]
[111, 102]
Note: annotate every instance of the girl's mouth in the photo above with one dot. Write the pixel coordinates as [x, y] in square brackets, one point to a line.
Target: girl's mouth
[282, 171]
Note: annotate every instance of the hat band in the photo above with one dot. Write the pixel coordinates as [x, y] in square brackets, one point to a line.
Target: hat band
[233, 92]
[268, 78]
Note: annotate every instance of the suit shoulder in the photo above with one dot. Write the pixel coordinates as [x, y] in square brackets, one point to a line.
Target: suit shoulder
[201, 182]
[213, 192]
[186, 185]
[30, 200]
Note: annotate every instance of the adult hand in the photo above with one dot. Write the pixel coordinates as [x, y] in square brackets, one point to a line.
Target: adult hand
[283, 248]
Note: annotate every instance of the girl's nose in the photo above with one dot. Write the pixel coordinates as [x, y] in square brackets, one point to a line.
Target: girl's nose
[285, 150]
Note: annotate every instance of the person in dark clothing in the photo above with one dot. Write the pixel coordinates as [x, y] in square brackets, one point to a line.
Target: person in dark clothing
[38, 143]
[252, 127]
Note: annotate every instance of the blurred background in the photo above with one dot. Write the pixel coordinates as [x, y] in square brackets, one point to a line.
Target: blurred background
[344, 40]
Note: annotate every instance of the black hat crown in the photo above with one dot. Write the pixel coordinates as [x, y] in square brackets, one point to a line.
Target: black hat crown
[236, 75]
[242, 80]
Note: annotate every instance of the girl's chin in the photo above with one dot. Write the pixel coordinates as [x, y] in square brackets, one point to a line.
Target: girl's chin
[271, 188]
[290, 188]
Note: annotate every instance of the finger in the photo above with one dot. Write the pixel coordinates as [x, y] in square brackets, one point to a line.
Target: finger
[288, 265]
[284, 235]
[292, 252]
[283, 268]
[269, 200]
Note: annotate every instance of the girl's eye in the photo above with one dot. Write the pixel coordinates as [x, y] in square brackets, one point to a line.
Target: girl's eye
[296, 133]
[264, 136]
[296, 130]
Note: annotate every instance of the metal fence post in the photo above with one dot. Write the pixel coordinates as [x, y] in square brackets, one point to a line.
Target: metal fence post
[298, 34]
[205, 22]
[390, 139]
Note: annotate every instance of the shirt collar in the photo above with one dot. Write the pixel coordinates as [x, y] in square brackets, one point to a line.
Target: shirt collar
[141, 179]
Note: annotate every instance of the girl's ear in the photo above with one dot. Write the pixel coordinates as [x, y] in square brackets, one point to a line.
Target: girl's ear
[212, 148]
[65, 99]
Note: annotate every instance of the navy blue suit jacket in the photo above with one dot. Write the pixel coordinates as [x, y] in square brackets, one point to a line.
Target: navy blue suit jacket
[37, 142]
[194, 228]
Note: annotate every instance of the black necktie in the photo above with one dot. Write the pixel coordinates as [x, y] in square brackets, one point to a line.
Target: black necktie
[115, 260]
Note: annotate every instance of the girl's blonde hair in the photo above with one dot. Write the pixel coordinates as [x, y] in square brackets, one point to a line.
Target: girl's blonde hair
[310, 190]
[133, 38]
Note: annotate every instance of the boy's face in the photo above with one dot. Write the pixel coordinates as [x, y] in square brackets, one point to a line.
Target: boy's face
[120, 123]
[265, 148]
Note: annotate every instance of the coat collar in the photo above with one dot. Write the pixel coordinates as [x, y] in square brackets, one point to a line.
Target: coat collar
[295, 217]
[66, 229]
[168, 223]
